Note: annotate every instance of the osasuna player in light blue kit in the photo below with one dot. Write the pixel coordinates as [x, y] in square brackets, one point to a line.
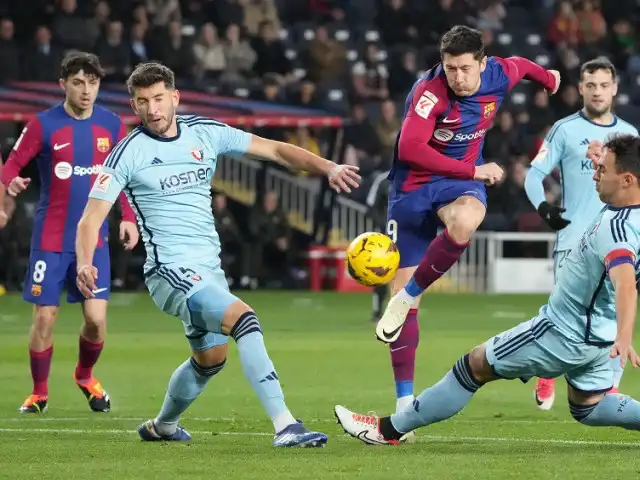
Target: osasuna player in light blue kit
[588, 320]
[166, 167]
[565, 147]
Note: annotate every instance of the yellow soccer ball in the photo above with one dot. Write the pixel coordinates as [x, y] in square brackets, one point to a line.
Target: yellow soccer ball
[372, 259]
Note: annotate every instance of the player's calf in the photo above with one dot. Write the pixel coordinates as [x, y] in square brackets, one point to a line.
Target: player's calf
[40, 355]
[241, 323]
[600, 410]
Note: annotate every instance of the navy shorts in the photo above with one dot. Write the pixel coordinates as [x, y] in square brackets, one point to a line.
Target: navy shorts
[52, 272]
[412, 220]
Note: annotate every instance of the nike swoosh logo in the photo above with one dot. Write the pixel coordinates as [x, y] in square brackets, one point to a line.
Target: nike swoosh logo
[389, 335]
[365, 438]
[99, 290]
[399, 348]
[446, 120]
[57, 147]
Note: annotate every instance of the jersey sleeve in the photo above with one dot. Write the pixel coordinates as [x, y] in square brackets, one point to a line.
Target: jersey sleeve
[429, 100]
[26, 148]
[551, 151]
[617, 242]
[227, 140]
[517, 68]
[116, 173]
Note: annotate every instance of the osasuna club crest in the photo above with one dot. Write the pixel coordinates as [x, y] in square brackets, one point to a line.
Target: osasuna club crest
[198, 154]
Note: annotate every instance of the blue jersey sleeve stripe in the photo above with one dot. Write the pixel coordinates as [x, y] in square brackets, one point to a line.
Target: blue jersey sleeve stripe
[117, 153]
[205, 121]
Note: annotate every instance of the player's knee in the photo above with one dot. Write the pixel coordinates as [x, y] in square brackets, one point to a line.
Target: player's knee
[581, 412]
[207, 369]
[239, 319]
[94, 323]
[479, 367]
[43, 321]
[211, 356]
[464, 219]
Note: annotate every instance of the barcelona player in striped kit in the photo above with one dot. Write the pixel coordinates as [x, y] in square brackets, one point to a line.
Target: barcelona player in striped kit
[438, 178]
[69, 142]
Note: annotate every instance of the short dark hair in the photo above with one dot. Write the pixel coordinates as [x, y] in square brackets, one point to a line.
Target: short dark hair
[626, 148]
[75, 61]
[462, 39]
[149, 73]
[600, 63]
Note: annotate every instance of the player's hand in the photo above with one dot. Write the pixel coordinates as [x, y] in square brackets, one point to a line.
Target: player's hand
[489, 173]
[595, 152]
[129, 235]
[551, 214]
[556, 75]
[4, 219]
[86, 280]
[18, 185]
[624, 350]
[343, 177]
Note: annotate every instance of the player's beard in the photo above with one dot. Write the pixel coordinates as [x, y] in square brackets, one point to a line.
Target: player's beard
[168, 121]
[595, 112]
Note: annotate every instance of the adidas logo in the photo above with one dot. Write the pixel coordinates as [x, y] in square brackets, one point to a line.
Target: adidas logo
[156, 161]
[271, 376]
[584, 142]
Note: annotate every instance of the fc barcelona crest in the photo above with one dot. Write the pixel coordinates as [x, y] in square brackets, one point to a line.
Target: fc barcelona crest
[103, 144]
[489, 109]
[198, 154]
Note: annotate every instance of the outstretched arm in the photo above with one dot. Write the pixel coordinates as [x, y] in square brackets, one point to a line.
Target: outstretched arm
[517, 68]
[341, 177]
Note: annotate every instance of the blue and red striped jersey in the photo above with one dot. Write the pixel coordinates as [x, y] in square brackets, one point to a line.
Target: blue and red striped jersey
[69, 154]
[442, 134]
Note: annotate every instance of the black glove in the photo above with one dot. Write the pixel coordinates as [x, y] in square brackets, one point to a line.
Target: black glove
[551, 215]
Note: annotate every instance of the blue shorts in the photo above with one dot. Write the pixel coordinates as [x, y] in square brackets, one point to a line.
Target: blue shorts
[198, 295]
[536, 348]
[412, 220]
[51, 272]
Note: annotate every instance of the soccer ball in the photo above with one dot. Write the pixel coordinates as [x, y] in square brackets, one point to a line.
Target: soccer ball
[372, 259]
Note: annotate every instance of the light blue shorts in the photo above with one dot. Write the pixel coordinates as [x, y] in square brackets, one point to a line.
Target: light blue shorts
[536, 348]
[198, 295]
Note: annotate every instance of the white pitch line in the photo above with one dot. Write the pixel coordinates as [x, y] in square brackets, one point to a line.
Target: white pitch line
[44, 418]
[422, 438]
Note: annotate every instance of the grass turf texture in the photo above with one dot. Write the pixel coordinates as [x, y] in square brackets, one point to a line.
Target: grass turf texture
[325, 353]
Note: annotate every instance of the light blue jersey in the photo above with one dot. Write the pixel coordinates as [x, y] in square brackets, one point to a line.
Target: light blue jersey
[572, 335]
[168, 183]
[582, 304]
[565, 147]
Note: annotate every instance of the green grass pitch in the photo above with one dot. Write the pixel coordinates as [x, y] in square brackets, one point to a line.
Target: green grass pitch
[325, 353]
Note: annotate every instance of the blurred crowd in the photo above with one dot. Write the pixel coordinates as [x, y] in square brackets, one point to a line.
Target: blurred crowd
[356, 58]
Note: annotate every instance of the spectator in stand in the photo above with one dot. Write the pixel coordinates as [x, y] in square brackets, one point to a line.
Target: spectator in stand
[369, 76]
[178, 54]
[101, 16]
[491, 15]
[163, 11]
[209, 54]
[397, 23]
[564, 26]
[622, 43]
[239, 57]
[503, 139]
[516, 201]
[225, 12]
[569, 103]
[437, 21]
[114, 53]
[42, 59]
[306, 96]
[403, 76]
[326, 58]
[71, 30]
[258, 11]
[491, 48]
[138, 48]
[303, 137]
[591, 25]
[9, 53]
[361, 136]
[233, 245]
[540, 114]
[270, 52]
[387, 128]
